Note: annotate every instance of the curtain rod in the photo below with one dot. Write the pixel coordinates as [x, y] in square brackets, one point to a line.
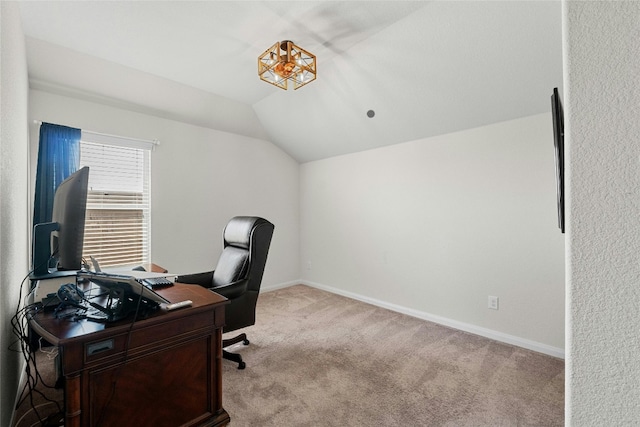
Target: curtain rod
[155, 142]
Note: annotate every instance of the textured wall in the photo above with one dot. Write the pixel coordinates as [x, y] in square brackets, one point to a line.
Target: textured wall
[602, 105]
[14, 214]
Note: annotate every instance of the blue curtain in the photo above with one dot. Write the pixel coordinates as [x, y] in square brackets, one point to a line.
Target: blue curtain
[58, 157]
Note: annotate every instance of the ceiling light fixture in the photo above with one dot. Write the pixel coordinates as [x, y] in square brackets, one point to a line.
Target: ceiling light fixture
[285, 62]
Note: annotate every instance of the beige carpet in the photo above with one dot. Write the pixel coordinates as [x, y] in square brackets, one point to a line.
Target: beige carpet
[319, 359]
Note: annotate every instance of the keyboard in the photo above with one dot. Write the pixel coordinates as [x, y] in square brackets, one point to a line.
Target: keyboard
[156, 282]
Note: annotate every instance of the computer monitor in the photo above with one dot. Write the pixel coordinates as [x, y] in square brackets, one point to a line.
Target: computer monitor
[62, 238]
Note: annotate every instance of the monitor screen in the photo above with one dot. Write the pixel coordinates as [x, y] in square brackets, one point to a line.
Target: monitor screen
[69, 211]
[62, 238]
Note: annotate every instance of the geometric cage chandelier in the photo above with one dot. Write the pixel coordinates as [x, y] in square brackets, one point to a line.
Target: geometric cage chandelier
[284, 62]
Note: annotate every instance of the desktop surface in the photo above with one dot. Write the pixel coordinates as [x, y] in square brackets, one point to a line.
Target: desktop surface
[56, 330]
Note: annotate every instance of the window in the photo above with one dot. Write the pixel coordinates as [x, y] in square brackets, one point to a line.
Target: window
[117, 226]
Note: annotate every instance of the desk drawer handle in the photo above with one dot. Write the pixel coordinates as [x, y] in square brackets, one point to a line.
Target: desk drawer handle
[99, 347]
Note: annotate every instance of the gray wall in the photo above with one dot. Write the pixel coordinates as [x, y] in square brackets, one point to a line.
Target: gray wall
[14, 207]
[434, 226]
[602, 103]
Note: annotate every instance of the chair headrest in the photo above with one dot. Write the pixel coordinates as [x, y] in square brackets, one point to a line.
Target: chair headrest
[238, 231]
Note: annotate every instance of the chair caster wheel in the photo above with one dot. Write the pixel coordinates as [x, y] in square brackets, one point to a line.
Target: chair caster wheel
[245, 342]
[242, 365]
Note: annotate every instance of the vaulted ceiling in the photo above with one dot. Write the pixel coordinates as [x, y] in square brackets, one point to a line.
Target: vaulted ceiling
[425, 67]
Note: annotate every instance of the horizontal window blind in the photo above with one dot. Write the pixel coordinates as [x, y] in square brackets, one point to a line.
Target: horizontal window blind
[117, 227]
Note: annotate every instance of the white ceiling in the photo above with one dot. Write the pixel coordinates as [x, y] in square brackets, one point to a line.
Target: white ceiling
[425, 68]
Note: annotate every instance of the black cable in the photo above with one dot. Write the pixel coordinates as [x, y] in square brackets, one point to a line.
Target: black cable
[22, 344]
[29, 356]
[32, 376]
[118, 371]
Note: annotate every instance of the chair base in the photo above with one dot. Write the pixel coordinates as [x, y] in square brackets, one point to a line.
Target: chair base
[234, 357]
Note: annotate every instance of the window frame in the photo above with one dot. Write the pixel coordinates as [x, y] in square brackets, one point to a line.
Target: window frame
[111, 202]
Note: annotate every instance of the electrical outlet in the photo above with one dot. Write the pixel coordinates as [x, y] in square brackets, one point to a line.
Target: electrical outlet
[308, 265]
[493, 302]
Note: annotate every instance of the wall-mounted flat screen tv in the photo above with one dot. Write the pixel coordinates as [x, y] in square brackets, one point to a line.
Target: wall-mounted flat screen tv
[558, 142]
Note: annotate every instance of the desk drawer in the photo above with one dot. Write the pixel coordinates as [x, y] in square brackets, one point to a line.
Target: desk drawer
[146, 337]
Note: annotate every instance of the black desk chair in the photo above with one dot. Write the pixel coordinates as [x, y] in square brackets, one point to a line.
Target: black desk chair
[238, 275]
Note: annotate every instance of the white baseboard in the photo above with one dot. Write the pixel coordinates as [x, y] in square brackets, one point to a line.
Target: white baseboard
[466, 327]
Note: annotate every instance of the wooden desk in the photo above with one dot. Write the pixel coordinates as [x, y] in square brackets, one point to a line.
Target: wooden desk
[165, 370]
[154, 267]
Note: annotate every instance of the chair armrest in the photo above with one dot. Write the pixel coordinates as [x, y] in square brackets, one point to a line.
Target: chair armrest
[232, 290]
[203, 279]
